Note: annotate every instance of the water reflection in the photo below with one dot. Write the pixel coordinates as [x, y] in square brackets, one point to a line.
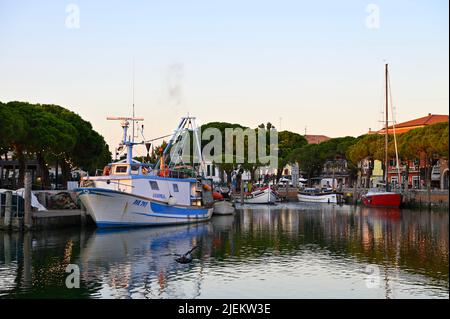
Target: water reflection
[283, 251]
[140, 263]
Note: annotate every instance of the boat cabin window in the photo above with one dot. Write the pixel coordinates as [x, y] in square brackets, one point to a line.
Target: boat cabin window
[134, 169]
[120, 169]
[175, 188]
[154, 185]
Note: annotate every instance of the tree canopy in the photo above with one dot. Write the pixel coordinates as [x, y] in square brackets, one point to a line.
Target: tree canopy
[50, 133]
[312, 157]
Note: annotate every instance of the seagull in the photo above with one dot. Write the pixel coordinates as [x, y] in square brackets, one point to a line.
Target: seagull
[186, 258]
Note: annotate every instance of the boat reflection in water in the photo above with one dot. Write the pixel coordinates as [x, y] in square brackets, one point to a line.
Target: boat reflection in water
[140, 263]
[282, 251]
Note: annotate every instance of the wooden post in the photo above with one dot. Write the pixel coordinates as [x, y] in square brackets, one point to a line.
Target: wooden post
[8, 208]
[242, 191]
[27, 200]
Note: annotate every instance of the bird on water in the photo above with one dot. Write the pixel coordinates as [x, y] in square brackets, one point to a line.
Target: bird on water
[186, 258]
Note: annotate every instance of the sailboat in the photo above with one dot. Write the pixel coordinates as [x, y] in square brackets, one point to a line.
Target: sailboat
[131, 193]
[385, 198]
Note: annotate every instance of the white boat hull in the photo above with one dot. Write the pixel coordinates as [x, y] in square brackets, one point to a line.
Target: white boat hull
[223, 208]
[266, 196]
[319, 198]
[116, 209]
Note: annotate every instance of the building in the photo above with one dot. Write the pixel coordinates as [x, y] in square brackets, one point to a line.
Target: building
[316, 139]
[336, 169]
[212, 172]
[417, 123]
[417, 168]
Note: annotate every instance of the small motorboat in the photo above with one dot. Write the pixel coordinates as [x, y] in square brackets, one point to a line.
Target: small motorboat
[223, 207]
[313, 195]
[264, 195]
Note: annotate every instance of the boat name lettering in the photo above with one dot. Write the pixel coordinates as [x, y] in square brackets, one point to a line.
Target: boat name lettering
[159, 196]
[140, 203]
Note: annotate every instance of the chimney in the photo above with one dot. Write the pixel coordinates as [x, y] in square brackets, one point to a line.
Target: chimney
[429, 114]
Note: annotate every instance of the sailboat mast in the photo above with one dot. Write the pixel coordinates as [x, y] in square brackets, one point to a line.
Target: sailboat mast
[386, 137]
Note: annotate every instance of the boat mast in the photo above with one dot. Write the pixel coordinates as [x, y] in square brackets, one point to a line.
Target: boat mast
[127, 142]
[386, 136]
[132, 140]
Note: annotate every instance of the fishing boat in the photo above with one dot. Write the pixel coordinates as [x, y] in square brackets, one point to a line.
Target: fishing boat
[385, 198]
[264, 195]
[131, 193]
[313, 195]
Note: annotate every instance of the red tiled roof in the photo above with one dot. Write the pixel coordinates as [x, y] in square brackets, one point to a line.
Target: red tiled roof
[316, 139]
[420, 122]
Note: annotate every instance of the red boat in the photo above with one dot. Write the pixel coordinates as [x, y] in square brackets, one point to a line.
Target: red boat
[382, 199]
[385, 198]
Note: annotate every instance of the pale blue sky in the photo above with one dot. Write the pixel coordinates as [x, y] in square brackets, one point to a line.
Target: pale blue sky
[312, 63]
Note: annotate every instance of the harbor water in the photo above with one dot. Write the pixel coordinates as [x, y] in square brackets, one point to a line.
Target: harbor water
[288, 250]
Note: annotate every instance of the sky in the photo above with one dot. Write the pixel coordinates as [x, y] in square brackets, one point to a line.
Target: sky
[314, 65]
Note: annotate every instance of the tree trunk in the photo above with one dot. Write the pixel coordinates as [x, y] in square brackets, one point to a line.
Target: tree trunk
[279, 173]
[253, 173]
[45, 178]
[65, 173]
[6, 173]
[22, 165]
[228, 172]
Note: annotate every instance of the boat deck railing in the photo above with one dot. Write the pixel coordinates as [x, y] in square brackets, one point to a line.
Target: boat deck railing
[176, 173]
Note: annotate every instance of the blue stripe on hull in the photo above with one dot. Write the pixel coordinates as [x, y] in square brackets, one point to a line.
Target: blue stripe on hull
[105, 224]
[196, 216]
[173, 210]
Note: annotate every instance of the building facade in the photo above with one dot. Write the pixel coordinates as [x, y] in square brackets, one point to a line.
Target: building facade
[412, 171]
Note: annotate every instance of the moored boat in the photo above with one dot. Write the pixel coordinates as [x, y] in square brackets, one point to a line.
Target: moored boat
[223, 207]
[385, 198]
[316, 196]
[382, 199]
[264, 195]
[131, 193]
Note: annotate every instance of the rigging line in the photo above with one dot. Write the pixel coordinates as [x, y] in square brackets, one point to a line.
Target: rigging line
[393, 128]
[177, 156]
[158, 138]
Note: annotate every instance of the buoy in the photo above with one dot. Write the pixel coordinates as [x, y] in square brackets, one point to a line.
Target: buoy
[217, 196]
[171, 201]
